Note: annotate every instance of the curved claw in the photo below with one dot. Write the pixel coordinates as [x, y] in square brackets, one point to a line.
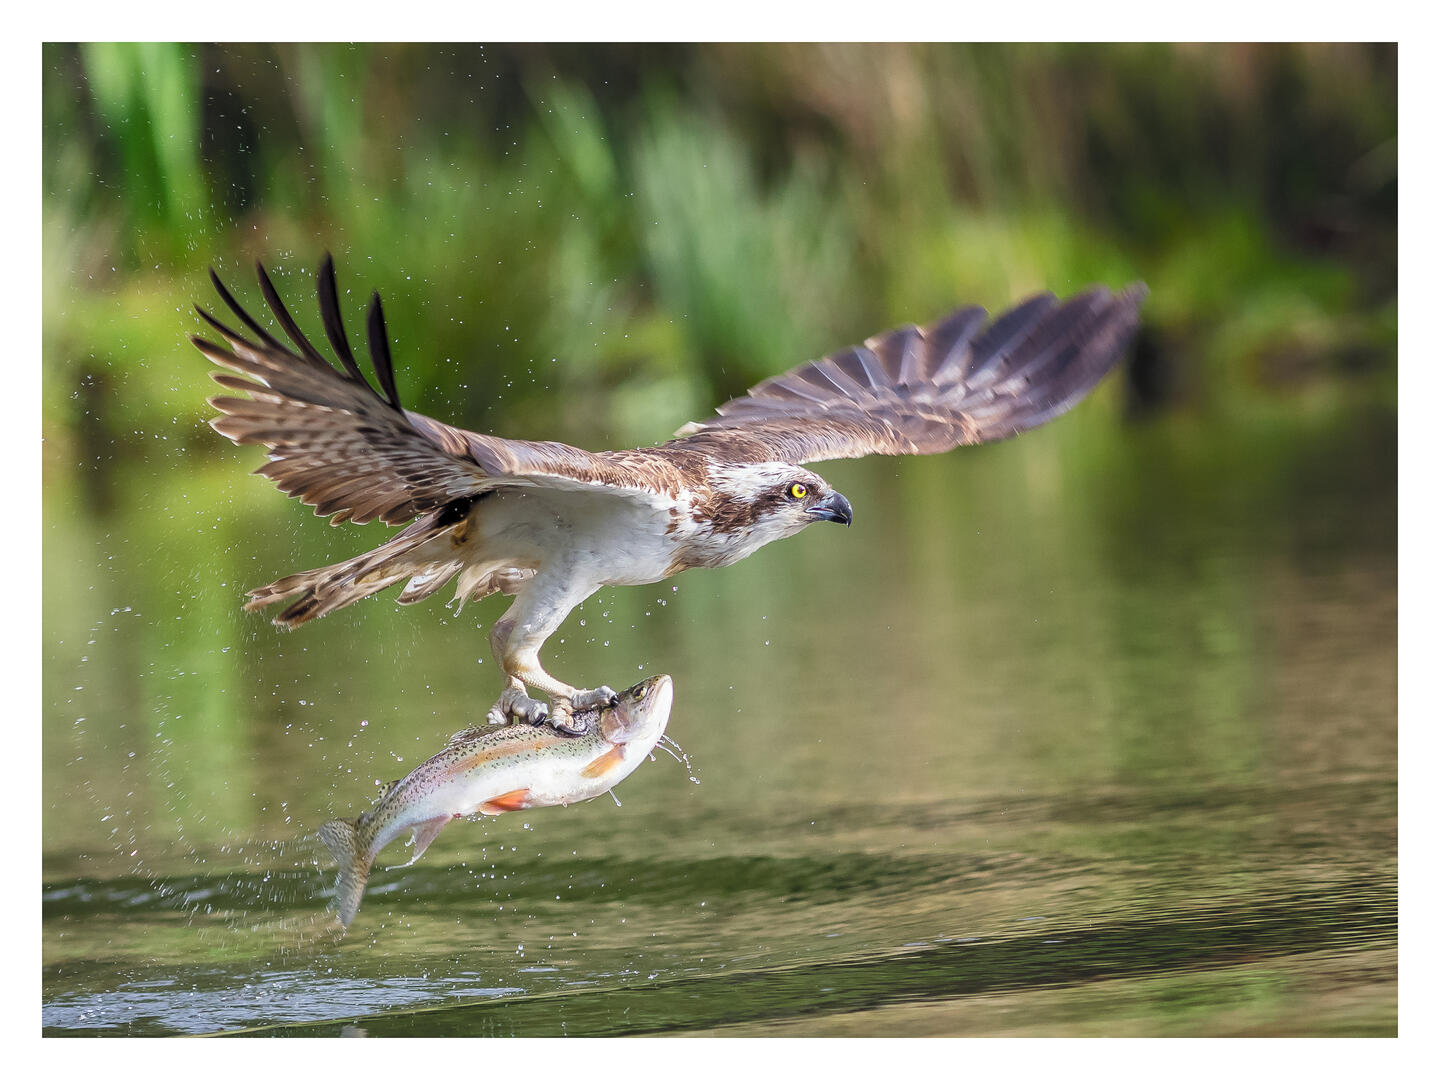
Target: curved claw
[601, 697]
[562, 719]
[515, 704]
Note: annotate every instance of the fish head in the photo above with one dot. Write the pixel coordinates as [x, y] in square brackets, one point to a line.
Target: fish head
[642, 713]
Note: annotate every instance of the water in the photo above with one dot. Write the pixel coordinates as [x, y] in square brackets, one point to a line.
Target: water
[1090, 733]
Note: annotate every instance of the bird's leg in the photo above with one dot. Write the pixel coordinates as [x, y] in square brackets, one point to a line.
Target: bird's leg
[566, 700]
[516, 639]
[514, 703]
[599, 698]
[523, 667]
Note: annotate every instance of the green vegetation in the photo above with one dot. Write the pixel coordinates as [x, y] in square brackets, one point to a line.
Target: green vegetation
[630, 233]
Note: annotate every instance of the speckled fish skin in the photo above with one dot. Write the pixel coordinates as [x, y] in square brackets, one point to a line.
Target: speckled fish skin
[496, 770]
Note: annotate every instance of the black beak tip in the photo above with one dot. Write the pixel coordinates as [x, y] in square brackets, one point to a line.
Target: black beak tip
[834, 507]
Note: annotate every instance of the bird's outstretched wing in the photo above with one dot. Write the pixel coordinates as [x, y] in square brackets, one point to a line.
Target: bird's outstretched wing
[918, 390]
[353, 453]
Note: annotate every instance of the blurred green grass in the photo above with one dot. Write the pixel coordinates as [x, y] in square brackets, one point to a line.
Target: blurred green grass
[598, 243]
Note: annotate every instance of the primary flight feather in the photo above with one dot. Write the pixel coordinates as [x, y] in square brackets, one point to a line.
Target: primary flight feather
[551, 523]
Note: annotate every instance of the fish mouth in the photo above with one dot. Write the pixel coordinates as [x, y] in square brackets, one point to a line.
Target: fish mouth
[643, 712]
[664, 697]
[833, 507]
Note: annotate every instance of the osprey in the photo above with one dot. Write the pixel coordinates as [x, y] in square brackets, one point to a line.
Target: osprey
[550, 523]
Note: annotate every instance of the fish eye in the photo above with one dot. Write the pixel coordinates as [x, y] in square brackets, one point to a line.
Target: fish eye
[798, 491]
[640, 692]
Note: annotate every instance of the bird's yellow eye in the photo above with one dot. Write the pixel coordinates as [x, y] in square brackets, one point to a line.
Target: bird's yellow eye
[798, 491]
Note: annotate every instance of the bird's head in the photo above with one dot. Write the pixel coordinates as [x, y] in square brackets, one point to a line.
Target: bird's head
[772, 500]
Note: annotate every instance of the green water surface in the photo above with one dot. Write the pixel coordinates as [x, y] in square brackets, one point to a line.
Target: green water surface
[1093, 732]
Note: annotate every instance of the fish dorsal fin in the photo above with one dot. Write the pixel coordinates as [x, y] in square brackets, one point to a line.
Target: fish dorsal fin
[467, 734]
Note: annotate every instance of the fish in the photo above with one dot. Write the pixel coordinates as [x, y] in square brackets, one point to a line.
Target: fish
[495, 771]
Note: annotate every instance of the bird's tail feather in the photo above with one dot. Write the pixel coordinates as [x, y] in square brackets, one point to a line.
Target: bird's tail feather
[327, 588]
[342, 839]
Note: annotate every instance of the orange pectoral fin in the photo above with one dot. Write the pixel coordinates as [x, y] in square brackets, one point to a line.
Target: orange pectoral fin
[605, 762]
[518, 799]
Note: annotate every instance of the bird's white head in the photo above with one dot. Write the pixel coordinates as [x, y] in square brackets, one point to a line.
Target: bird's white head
[771, 500]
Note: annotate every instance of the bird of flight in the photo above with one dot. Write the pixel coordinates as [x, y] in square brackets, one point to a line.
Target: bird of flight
[551, 524]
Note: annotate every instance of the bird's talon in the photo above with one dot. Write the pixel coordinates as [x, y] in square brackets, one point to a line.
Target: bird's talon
[517, 706]
[602, 697]
[564, 722]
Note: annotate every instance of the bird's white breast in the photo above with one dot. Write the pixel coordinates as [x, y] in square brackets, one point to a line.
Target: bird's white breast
[602, 537]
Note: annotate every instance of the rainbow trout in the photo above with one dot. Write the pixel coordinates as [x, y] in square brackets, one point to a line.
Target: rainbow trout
[492, 771]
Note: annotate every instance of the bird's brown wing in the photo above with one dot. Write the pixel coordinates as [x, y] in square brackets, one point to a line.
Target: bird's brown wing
[353, 453]
[924, 390]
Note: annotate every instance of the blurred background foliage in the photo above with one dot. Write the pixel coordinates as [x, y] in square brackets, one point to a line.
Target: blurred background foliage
[597, 243]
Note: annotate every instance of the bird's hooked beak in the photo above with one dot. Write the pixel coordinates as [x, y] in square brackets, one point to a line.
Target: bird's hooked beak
[834, 507]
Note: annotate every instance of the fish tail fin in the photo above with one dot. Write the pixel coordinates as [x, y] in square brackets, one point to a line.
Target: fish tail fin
[354, 868]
